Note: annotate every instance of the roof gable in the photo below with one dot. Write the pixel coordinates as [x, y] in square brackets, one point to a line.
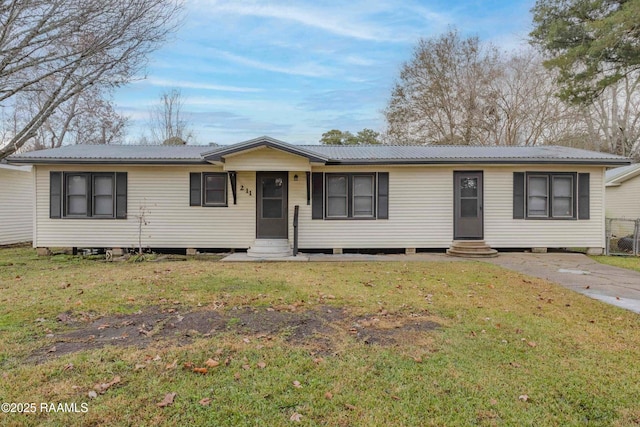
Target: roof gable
[218, 155]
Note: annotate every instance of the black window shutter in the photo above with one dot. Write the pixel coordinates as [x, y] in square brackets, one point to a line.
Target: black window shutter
[195, 191]
[121, 195]
[55, 194]
[518, 195]
[317, 196]
[383, 195]
[583, 196]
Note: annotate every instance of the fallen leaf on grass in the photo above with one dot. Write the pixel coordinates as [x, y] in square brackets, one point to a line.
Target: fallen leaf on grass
[523, 397]
[52, 349]
[328, 395]
[139, 366]
[68, 367]
[205, 402]
[172, 365]
[103, 387]
[417, 359]
[394, 397]
[63, 317]
[531, 344]
[297, 384]
[168, 400]
[493, 402]
[262, 365]
[202, 371]
[296, 417]
[92, 394]
[212, 363]
[350, 407]
[318, 360]
[246, 367]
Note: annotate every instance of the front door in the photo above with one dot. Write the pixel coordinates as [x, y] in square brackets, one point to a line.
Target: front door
[271, 205]
[468, 221]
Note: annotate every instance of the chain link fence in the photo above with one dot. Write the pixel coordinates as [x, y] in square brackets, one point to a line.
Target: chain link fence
[623, 236]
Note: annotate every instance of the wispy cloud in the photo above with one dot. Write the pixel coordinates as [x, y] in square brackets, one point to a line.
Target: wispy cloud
[312, 17]
[196, 85]
[308, 69]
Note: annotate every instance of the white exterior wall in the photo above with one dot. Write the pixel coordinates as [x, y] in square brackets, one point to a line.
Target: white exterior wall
[502, 231]
[420, 211]
[623, 201]
[16, 204]
[164, 191]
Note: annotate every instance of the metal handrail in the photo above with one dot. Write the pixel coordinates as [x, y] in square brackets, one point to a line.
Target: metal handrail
[296, 210]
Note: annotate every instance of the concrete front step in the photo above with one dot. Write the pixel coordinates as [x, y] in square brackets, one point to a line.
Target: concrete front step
[486, 254]
[471, 248]
[270, 248]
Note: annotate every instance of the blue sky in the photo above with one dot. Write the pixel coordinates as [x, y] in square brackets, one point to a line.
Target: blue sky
[293, 70]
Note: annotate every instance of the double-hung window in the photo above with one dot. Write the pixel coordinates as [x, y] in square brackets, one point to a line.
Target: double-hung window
[355, 195]
[208, 189]
[88, 195]
[551, 195]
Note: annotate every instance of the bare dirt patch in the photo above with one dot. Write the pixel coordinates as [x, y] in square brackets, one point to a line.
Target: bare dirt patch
[317, 328]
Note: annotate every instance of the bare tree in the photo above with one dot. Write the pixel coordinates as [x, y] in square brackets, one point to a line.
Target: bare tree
[168, 123]
[442, 92]
[89, 117]
[613, 119]
[71, 45]
[523, 108]
[456, 91]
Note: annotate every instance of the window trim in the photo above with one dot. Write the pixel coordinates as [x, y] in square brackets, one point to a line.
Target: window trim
[350, 196]
[345, 197]
[203, 198]
[547, 195]
[550, 196]
[372, 196]
[89, 195]
[93, 195]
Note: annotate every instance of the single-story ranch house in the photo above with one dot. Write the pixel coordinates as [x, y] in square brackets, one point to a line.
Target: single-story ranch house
[622, 188]
[252, 195]
[16, 204]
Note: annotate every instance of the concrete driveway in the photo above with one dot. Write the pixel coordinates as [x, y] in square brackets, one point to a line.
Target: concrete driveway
[613, 285]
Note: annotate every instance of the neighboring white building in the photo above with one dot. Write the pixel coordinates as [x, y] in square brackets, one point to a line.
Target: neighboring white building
[16, 204]
[623, 192]
[349, 197]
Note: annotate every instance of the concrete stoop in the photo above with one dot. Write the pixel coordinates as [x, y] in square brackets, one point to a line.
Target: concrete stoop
[270, 248]
[471, 249]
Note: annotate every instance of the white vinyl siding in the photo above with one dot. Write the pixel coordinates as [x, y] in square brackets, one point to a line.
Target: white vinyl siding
[16, 204]
[502, 231]
[420, 211]
[161, 194]
[623, 201]
[266, 159]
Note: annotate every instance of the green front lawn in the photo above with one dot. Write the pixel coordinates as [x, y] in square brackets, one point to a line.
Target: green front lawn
[630, 262]
[451, 343]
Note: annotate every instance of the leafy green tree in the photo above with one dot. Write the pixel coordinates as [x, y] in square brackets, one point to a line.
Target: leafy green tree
[338, 137]
[368, 137]
[591, 43]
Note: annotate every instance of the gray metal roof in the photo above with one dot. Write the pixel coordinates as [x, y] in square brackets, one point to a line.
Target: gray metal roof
[614, 174]
[329, 154]
[462, 154]
[115, 154]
